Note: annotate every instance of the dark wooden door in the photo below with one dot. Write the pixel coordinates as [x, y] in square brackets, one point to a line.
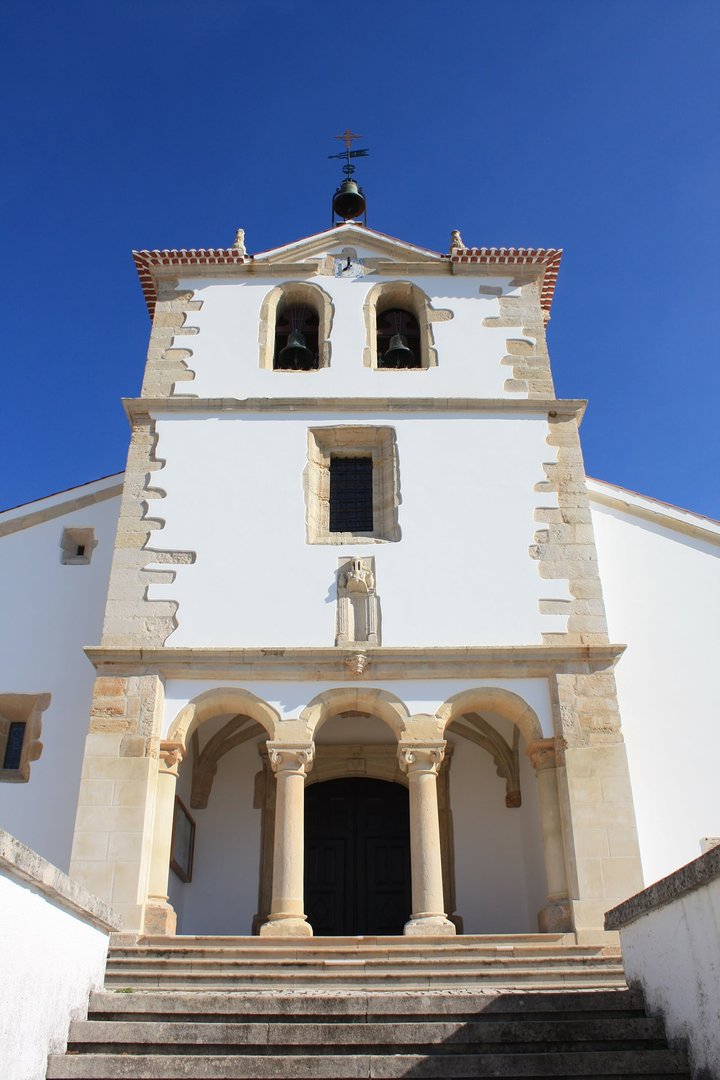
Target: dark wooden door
[357, 857]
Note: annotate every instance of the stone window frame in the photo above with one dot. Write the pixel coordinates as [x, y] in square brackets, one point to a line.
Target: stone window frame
[295, 292]
[407, 296]
[378, 443]
[73, 538]
[25, 709]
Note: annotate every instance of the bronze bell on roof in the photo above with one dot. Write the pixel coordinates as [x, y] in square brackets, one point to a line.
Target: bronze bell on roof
[296, 356]
[348, 200]
[399, 354]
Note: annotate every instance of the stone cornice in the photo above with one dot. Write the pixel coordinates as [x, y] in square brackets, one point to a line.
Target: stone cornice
[330, 664]
[142, 408]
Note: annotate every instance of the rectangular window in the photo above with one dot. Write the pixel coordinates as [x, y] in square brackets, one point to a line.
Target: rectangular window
[14, 745]
[352, 485]
[351, 494]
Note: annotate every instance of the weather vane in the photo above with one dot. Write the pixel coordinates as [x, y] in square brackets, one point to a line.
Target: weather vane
[348, 201]
[348, 138]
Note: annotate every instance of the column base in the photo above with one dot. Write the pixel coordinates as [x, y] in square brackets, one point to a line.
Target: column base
[555, 918]
[429, 926]
[286, 926]
[159, 918]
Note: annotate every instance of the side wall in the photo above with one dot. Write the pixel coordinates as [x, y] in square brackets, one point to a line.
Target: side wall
[51, 611]
[53, 942]
[670, 938]
[662, 595]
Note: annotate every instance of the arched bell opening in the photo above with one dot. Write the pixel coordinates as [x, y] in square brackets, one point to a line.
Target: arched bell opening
[499, 873]
[217, 789]
[398, 339]
[296, 337]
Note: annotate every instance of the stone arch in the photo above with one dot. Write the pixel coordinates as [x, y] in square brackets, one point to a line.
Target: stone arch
[295, 292]
[219, 702]
[378, 761]
[385, 706]
[409, 297]
[503, 702]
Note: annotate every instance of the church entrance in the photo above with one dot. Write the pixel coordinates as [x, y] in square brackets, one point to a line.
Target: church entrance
[357, 857]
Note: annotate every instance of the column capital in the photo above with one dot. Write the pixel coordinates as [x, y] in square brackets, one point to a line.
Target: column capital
[420, 757]
[291, 757]
[171, 754]
[544, 754]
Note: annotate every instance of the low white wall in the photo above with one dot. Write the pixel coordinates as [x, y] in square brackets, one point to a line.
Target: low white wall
[53, 942]
[670, 939]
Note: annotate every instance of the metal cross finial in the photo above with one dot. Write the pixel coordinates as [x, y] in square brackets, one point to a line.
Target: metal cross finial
[348, 137]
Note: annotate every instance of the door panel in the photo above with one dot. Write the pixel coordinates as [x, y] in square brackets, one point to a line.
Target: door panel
[357, 857]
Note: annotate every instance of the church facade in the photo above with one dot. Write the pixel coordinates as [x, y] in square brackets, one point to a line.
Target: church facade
[355, 673]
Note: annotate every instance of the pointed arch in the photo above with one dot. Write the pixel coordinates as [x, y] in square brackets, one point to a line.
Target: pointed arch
[494, 699]
[385, 706]
[222, 701]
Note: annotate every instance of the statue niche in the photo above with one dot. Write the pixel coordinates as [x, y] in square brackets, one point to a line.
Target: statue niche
[358, 605]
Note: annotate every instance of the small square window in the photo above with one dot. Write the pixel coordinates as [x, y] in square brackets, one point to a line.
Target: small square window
[77, 546]
[352, 485]
[14, 745]
[20, 729]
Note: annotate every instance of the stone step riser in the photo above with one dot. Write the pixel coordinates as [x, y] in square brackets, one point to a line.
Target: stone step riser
[363, 1006]
[649, 1063]
[436, 981]
[163, 1036]
[460, 949]
[130, 962]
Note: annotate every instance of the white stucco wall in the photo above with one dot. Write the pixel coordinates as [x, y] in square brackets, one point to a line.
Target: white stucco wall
[52, 957]
[226, 351]
[673, 952]
[461, 574]
[662, 593]
[499, 870]
[50, 612]
[222, 897]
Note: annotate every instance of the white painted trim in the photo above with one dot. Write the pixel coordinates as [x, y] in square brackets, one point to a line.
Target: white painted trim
[354, 232]
[671, 517]
[104, 486]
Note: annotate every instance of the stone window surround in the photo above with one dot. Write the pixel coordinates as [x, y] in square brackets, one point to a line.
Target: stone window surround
[408, 297]
[295, 292]
[26, 709]
[380, 444]
[73, 538]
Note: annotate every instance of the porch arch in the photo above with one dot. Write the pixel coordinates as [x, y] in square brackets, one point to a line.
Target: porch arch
[385, 706]
[217, 702]
[495, 699]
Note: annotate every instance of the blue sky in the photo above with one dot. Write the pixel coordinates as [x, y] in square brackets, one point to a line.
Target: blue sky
[591, 126]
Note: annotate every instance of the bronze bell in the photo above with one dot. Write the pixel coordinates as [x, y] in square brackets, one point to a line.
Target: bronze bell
[348, 200]
[296, 356]
[399, 355]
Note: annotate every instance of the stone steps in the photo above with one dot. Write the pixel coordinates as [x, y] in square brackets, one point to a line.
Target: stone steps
[313, 1009]
[360, 963]
[173, 1036]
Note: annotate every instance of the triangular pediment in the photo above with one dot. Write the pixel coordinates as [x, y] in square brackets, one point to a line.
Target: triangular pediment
[367, 243]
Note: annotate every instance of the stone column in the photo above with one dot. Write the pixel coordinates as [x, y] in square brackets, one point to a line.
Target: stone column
[556, 917]
[290, 765]
[421, 763]
[159, 916]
